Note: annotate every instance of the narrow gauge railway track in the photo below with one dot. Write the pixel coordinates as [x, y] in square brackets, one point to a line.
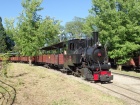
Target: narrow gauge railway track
[127, 75]
[130, 96]
[7, 94]
[127, 89]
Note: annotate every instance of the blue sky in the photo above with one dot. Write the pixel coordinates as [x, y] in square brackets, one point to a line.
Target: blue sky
[64, 10]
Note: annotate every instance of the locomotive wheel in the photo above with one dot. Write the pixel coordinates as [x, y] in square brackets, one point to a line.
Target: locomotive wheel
[77, 73]
[87, 74]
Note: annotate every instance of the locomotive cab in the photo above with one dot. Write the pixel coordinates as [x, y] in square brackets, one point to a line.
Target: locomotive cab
[74, 49]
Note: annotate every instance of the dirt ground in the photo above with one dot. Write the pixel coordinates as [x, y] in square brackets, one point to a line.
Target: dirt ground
[36, 85]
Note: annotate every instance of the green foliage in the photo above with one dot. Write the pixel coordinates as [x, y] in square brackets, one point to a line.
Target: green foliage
[9, 28]
[75, 27]
[3, 46]
[6, 42]
[119, 24]
[4, 64]
[88, 25]
[32, 32]
[49, 29]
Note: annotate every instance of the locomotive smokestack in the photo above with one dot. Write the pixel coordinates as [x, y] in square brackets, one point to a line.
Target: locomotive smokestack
[95, 37]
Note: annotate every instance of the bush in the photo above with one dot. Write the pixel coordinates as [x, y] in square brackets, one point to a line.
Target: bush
[4, 64]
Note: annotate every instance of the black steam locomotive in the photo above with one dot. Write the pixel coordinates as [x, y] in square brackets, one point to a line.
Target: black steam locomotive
[87, 58]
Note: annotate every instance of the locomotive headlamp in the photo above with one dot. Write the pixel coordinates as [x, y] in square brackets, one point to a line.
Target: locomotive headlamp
[99, 44]
[109, 63]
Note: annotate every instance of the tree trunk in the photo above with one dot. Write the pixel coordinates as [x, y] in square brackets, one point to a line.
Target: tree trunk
[119, 67]
[30, 60]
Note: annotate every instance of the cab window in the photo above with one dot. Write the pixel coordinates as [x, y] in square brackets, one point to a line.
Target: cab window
[71, 46]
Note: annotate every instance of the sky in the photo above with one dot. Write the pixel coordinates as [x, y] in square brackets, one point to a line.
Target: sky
[63, 10]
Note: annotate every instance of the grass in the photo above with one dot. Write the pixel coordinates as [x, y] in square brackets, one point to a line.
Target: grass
[2, 90]
[37, 85]
[85, 87]
[127, 72]
[62, 102]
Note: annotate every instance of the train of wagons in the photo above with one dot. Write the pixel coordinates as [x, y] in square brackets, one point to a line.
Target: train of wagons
[81, 57]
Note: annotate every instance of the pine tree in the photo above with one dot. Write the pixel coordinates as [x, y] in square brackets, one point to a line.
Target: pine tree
[3, 46]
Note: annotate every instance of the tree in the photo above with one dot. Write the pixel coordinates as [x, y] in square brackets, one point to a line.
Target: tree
[119, 23]
[3, 46]
[62, 36]
[88, 25]
[10, 31]
[75, 27]
[50, 29]
[32, 32]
